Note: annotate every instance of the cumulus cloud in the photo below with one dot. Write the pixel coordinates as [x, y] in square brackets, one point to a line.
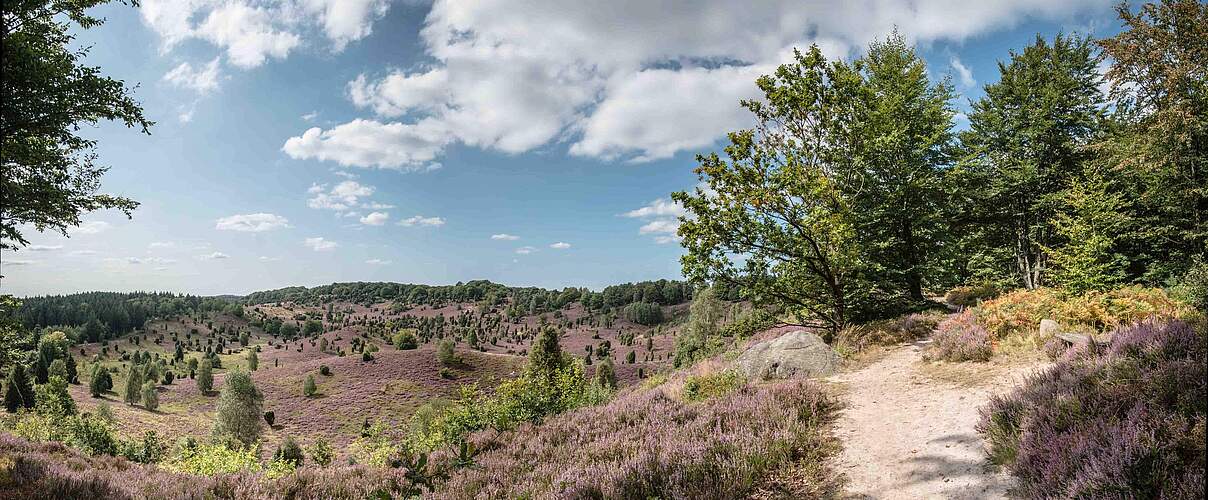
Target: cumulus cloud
[202, 80]
[344, 197]
[251, 223]
[662, 219]
[661, 207]
[561, 245]
[320, 244]
[420, 220]
[504, 237]
[370, 143]
[525, 250]
[253, 31]
[628, 80]
[375, 219]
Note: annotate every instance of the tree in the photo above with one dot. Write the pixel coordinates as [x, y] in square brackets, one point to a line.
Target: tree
[545, 356]
[1159, 149]
[73, 375]
[99, 381]
[1089, 224]
[253, 362]
[205, 377]
[53, 398]
[49, 171]
[150, 396]
[18, 391]
[243, 339]
[778, 199]
[289, 452]
[134, 384]
[699, 336]
[1027, 139]
[606, 375]
[308, 387]
[321, 452]
[312, 327]
[15, 340]
[445, 353]
[239, 409]
[905, 142]
[94, 331]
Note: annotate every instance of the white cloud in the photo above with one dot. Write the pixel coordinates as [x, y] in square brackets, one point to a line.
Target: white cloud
[92, 227]
[561, 245]
[420, 220]
[161, 244]
[342, 197]
[963, 73]
[347, 20]
[310, 117]
[251, 223]
[626, 80]
[213, 256]
[81, 253]
[375, 219]
[379, 262]
[660, 226]
[19, 262]
[370, 143]
[525, 250]
[661, 207]
[320, 244]
[504, 237]
[265, 258]
[44, 248]
[203, 80]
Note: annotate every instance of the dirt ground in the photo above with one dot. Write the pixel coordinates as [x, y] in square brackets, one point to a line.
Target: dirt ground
[908, 428]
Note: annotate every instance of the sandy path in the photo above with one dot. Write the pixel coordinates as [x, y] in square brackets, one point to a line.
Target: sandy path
[907, 435]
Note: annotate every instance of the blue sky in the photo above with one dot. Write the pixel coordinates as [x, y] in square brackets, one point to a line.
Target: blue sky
[302, 142]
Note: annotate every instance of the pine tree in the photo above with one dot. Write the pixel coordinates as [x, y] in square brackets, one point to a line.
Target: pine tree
[240, 408]
[18, 391]
[73, 375]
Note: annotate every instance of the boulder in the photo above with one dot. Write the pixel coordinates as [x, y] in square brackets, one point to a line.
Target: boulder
[1049, 329]
[795, 354]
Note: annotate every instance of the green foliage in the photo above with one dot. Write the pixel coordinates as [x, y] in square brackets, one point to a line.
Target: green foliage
[253, 361]
[324, 370]
[778, 200]
[321, 452]
[308, 387]
[1025, 143]
[312, 327]
[50, 177]
[205, 376]
[53, 398]
[643, 313]
[712, 385]
[134, 384]
[1089, 223]
[211, 459]
[606, 375]
[150, 396]
[699, 338]
[289, 451]
[748, 323]
[270, 418]
[99, 381]
[445, 354]
[239, 409]
[405, 339]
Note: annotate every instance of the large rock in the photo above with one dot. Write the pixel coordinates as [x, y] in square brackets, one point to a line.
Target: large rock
[1049, 329]
[795, 354]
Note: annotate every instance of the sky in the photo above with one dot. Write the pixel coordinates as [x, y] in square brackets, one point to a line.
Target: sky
[305, 142]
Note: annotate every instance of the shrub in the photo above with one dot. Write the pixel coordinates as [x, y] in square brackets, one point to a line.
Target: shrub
[606, 375]
[366, 357]
[308, 387]
[713, 385]
[968, 296]
[960, 338]
[211, 459]
[405, 340]
[445, 354]
[1018, 314]
[446, 373]
[99, 381]
[1126, 421]
[270, 418]
[289, 452]
[906, 328]
[205, 376]
[150, 396]
[321, 452]
[324, 370]
[239, 409]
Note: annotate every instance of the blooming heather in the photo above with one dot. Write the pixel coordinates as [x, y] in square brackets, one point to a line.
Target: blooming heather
[960, 338]
[1123, 421]
[648, 444]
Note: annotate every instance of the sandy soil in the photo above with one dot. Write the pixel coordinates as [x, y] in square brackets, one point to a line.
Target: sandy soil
[908, 430]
